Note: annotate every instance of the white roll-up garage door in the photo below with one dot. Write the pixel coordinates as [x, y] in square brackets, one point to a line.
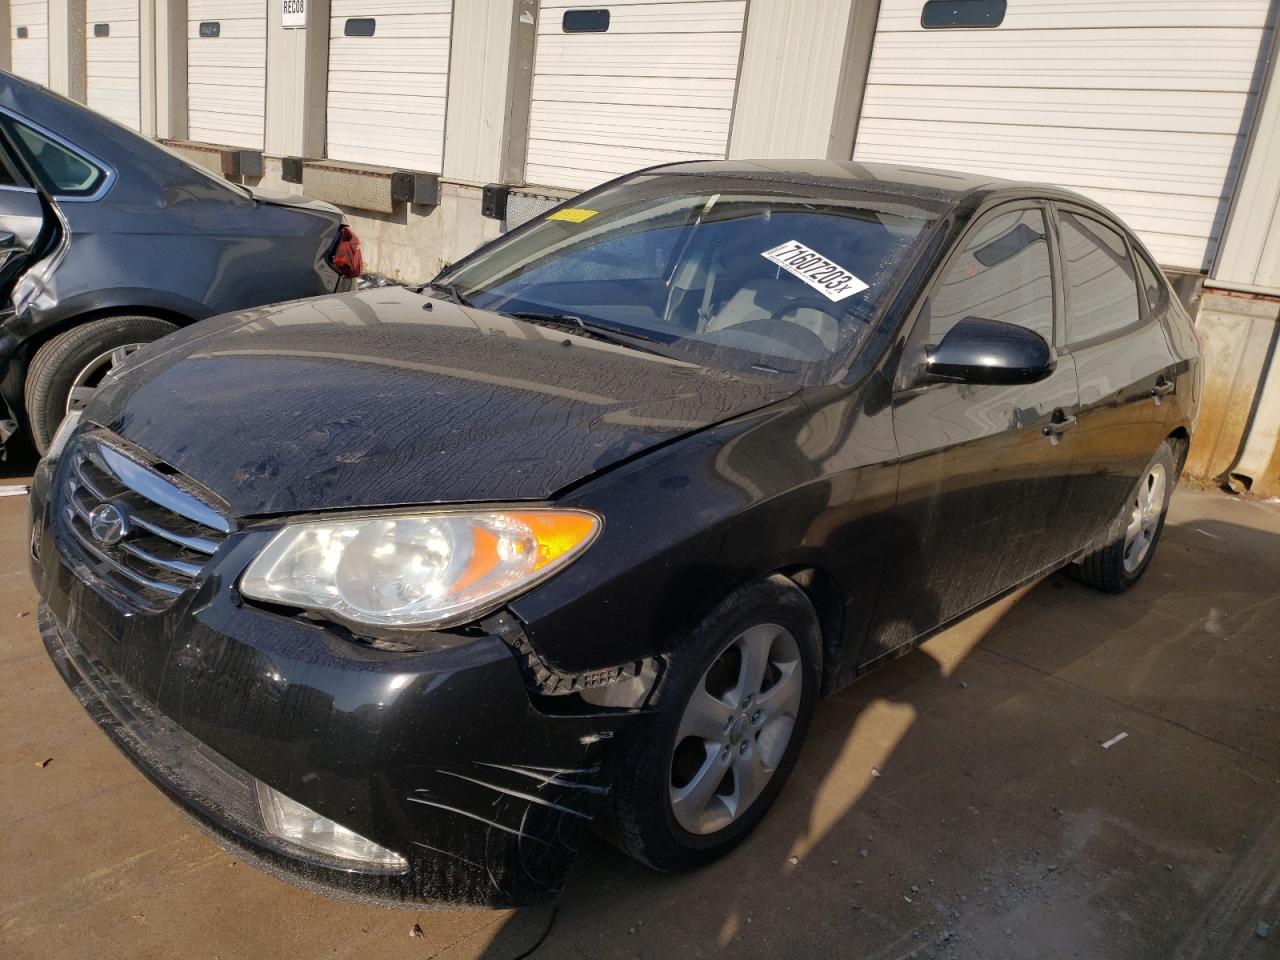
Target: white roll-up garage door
[388, 73]
[29, 39]
[1138, 105]
[630, 83]
[227, 71]
[113, 60]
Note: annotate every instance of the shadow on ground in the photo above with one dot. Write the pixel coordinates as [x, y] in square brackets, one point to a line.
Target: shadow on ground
[20, 461]
[999, 826]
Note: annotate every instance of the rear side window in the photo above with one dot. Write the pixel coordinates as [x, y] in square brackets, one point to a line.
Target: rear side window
[65, 173]
[1102, 288]
[1003, 272]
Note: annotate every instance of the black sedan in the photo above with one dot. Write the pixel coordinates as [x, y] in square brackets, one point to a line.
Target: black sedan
[108, 241]
[400, 591]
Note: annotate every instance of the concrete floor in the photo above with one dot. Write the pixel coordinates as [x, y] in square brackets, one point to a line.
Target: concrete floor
[999, 827]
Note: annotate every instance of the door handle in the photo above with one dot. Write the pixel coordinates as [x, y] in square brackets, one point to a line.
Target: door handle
[1059, 425]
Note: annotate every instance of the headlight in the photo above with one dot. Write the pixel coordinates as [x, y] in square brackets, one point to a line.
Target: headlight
[429, 570]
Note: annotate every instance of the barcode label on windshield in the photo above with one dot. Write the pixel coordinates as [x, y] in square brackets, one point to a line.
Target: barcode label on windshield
[830, 279]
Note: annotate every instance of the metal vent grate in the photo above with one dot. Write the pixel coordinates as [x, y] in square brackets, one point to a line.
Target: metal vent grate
[523, 207]
[146, 534]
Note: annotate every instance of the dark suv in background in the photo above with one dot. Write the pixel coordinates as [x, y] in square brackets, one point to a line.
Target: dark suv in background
[109, 241]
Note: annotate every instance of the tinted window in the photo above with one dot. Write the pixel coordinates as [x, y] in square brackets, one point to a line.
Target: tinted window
[102, 29]
[1102, 292]
[1003, 272]
[941, 14]
[585, 21]
[63, 172]
[359, 27]
[1154, 285]
[210, 28]
[727, 272]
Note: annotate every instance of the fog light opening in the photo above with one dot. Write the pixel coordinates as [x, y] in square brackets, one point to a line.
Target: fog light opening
[291, 821]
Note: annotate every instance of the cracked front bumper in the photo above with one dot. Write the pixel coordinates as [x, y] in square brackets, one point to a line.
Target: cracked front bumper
[441, 757]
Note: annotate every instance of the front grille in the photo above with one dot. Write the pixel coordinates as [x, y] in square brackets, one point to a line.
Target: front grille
[153, 535]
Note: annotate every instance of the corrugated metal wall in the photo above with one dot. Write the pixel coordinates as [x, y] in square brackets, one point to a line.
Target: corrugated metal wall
[1140, 105]
[227, 73]
[657, 86]
[113, 60]
[1250, 252]
[30, 53]
[387, 91]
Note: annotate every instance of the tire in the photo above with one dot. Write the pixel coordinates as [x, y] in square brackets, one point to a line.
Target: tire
[57, 365]
[1112, 567]
[661, 760]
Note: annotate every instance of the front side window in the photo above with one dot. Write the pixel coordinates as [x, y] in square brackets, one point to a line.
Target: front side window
[1002, 272]
[1102, 291]
[64, 173]
[728, 272]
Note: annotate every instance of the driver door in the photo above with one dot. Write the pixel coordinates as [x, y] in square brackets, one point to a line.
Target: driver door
[984, 468]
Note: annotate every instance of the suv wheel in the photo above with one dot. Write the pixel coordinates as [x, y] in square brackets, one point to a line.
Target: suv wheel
[732, 710]
[1131, 539]
[66, 371]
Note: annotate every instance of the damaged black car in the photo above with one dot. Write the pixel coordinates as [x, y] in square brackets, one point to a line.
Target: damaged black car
[399, 592]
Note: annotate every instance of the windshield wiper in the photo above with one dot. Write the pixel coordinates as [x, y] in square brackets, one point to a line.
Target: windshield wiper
[575, 324]
[450, 290]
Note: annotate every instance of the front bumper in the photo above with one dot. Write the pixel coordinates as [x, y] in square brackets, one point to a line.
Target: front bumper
[442, 757]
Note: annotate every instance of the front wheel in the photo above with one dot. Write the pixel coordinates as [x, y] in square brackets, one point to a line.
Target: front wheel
[1131, 539]
[65, 372]
[733, 708]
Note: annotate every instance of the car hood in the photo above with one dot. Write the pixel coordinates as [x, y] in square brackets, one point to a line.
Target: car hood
[386, 397]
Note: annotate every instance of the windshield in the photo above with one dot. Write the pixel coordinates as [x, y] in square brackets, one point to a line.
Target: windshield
[727, 272]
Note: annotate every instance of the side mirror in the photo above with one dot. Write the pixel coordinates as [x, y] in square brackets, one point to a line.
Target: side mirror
[977, 350]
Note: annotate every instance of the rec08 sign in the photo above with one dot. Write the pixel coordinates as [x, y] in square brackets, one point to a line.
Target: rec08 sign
[293, 13]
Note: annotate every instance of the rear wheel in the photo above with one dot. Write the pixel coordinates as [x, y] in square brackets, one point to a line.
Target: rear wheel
[65, 372]
[1132, 537]
[733, 708]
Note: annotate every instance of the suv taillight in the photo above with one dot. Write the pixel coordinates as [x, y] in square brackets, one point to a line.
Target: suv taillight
[347, 258]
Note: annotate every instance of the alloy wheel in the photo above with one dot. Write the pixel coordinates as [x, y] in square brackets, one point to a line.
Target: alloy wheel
[86, 383]
[735, 729]
[1144, 518]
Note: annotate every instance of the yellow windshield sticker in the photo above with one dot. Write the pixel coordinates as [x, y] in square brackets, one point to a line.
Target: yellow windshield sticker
[573, 215]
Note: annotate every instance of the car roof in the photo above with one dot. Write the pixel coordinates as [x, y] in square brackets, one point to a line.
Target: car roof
[891, 180]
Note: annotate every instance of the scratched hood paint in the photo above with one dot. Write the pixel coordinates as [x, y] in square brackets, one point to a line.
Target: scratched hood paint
[371, 399]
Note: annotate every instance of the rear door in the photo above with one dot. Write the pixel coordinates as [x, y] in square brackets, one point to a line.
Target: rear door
[1124, 364]
[983, 467]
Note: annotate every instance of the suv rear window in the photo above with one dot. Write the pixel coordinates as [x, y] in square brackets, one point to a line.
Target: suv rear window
[64, 172]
